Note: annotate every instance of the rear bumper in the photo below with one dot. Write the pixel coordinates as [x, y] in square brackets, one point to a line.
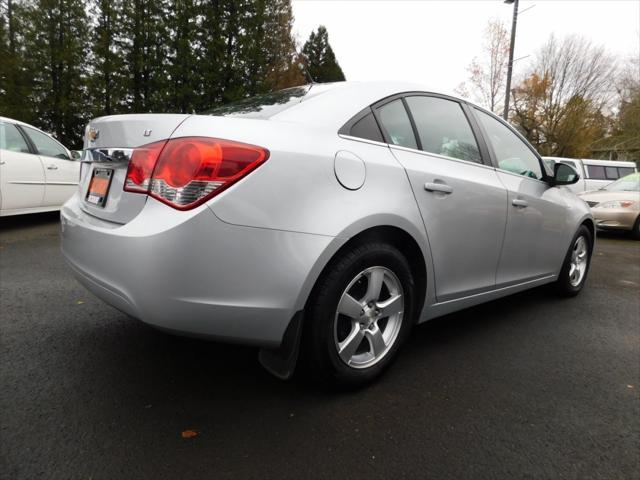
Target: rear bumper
[191, 273]
[614, 218]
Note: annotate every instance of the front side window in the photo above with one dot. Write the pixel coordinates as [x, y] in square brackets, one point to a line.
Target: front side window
[11, 139]
[395, 121]
[443, 128]
[46, 145]
[512, 154]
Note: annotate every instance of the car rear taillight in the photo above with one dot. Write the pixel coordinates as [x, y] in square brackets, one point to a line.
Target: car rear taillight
[141, 164]
[185, 172]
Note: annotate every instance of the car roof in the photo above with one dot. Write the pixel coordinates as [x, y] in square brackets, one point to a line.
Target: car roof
[332, 105]
[610, 163]
[11, 120]
[25, 124]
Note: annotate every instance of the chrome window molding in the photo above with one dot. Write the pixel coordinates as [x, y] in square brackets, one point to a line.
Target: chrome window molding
[522, 176]
[443, 157]
[363, 140]
[414, 150]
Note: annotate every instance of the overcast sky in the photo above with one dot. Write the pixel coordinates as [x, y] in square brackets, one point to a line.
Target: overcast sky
[432, 42]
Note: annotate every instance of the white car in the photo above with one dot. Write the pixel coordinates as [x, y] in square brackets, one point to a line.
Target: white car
[594, 174]
[37, 173]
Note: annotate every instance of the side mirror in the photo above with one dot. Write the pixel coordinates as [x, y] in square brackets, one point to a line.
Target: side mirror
[76, 154]
[564, 174]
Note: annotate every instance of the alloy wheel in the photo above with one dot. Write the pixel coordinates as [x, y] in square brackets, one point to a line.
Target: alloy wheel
[579, 260]
[369, 316]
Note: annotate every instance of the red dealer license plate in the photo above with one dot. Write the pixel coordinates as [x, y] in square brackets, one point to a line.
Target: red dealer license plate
[99, 186]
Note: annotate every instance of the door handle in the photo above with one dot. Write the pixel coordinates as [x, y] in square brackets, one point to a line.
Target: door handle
[518, 202]
[438, 187]
[52, 167]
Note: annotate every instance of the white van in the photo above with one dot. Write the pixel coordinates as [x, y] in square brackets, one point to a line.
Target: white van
[594, 174]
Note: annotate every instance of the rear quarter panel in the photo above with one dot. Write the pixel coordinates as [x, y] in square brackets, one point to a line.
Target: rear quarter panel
[297, 190]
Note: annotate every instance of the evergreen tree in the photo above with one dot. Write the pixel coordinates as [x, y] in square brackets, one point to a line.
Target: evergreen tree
[107, 83]
[321, 61]
[145, 53]
[64, 62]
[212, 43]
[183, 64]
[281, 58]
[233, 80]
[15, 82]
[268, 47]
[55, 56]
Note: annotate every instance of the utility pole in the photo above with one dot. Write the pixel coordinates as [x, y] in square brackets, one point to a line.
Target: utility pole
[505, 115]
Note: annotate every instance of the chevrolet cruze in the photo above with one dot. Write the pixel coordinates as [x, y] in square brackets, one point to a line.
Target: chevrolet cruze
[320, 222]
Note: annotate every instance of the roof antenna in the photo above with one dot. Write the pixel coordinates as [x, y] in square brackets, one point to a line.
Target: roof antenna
[302, 65]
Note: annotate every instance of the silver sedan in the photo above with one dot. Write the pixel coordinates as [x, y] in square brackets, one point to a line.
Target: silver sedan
[321, 221]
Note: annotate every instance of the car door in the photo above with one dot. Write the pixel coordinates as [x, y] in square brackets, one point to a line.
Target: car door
[462, 202]
[536, 237]
[22, 179]
[61, 172]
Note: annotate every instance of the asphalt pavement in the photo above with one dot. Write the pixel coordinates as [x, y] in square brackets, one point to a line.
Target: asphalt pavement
[530, 386]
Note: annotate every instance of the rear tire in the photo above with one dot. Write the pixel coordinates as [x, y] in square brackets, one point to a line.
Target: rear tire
[576, 264]
[358, 315]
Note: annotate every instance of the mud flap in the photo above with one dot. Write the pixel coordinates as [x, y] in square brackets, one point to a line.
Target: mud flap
[281, 361]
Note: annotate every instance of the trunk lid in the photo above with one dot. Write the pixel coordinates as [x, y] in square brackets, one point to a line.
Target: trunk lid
[108, 143]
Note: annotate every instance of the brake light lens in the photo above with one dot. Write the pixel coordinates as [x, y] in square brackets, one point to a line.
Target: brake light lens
[141, 165]
[185, 172]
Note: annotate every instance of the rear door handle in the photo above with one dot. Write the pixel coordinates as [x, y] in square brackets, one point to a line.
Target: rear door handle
[52, 167]
[518, 202]
[438, 187]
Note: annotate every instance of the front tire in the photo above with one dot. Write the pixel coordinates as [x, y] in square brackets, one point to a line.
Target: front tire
[358, 315]
[635, 233]
[576, 264]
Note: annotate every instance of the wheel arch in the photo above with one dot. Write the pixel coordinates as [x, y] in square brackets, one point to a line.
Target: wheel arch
[589, 223]
[282, 361]
[400, 239]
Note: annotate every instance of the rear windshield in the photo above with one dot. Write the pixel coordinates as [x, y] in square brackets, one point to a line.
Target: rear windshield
[261, 106]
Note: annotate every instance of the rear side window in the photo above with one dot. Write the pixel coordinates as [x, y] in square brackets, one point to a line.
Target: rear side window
[396, 124]
[624, 171]
[366, 127]
[46, 145]
[11, 139]
[596, 172]
[512, 154]
[443, 128]
[611, 173]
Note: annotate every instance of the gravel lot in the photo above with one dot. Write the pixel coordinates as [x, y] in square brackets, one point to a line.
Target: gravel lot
[529, 386]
